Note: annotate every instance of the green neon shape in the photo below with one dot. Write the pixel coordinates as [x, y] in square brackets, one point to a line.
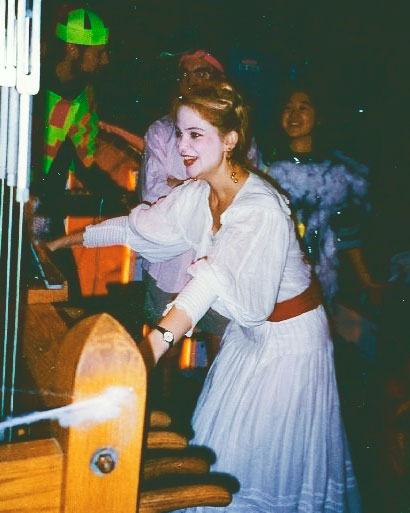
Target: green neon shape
[74, 31]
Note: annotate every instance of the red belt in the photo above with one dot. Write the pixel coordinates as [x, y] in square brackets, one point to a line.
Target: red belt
[308, 300]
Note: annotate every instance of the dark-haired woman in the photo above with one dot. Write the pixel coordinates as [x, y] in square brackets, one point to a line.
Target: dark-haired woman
[328, 192]
[269, 407]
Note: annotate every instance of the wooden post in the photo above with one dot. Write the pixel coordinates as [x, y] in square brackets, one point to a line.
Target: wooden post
[93, 467]
[109, 358]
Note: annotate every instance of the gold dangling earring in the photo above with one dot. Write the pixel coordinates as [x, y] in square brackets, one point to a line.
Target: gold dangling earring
[234, 178]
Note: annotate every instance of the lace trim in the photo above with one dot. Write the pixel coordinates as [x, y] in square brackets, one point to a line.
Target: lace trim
[308, 501]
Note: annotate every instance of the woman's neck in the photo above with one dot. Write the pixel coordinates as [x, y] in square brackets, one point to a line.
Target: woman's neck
[301, 144]
[225, 185]
[226, 182]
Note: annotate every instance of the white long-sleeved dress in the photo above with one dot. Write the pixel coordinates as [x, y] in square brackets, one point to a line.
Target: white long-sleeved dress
[269, 407]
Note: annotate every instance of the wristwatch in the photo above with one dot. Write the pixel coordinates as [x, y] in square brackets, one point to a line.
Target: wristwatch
[167, 335]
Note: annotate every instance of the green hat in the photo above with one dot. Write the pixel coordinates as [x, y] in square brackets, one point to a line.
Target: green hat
[75, 31]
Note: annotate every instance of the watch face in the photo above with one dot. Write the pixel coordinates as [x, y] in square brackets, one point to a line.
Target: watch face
[168, 337]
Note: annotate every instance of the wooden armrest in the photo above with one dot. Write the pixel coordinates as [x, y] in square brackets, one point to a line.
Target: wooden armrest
[185, 496]
[167, 462]
[159, 419]
[177, 492]
[166, 440]
[172, 465]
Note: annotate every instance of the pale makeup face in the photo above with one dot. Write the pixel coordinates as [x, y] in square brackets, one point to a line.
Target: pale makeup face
[199, 143]
[299, 117]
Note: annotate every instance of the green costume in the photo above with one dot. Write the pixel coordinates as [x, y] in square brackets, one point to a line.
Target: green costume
[76, 119]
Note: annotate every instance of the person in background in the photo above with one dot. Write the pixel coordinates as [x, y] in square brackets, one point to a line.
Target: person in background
[269, 408]
[65, 129]
[328, 192]
[162, 170]
[66, 121]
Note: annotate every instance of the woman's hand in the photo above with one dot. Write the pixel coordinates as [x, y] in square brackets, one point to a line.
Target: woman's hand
[373, 288]
[153, 346]
[66, 241]
[52, 245]
[375, 292]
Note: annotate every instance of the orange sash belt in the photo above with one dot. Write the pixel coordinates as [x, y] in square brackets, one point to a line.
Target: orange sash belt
[308, 300]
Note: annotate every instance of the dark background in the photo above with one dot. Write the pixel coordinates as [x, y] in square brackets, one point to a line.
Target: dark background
[354, 51]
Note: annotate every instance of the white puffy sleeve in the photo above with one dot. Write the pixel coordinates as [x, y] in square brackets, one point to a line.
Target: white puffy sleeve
[243, 271]
[153, 231]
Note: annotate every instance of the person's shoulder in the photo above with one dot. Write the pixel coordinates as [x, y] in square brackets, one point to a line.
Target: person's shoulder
[278, 166]
[261, 192]
[194, 186]
[51, 96]
[188, 199]
[166, 123]
[190, 189]
[86, 97]
[339, 157]
[161, 129]
[258, 204]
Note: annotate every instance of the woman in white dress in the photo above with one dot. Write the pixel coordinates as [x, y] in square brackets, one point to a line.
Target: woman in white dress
[269, 407]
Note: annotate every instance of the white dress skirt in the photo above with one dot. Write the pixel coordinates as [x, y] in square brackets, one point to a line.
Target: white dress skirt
[270, 411]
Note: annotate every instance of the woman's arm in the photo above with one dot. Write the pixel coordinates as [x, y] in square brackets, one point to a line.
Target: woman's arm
[356, 258]
[153, 231]
[153, 345]
[66, 241]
